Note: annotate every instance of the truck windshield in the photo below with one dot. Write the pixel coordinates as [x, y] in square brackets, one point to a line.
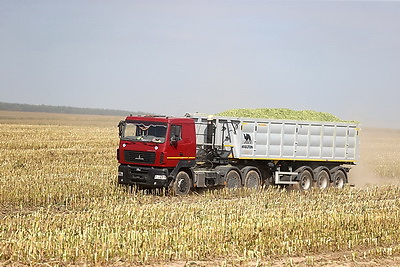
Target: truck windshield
[144, 131]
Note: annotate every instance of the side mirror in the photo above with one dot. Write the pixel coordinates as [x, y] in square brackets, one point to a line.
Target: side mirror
[120, 126]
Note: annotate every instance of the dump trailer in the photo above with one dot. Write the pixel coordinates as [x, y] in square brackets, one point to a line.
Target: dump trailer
[200, 151]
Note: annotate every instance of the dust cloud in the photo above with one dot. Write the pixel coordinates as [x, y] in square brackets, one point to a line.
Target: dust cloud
[362, 177]
[379, 150]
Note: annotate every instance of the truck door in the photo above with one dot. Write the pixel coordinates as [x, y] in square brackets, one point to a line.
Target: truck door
[182, 145]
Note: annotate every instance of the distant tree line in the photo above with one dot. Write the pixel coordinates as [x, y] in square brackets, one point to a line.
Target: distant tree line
[66, 109]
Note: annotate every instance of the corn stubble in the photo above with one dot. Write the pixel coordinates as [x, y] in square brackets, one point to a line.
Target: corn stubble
[60, 205]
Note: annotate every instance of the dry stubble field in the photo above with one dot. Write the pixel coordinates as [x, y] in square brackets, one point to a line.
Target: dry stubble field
[59, 205]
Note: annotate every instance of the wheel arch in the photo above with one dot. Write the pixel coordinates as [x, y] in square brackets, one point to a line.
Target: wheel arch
[188, 170]
[185, 165]
[303, 168]
[320, 168]
[339, 168]
[224, 169]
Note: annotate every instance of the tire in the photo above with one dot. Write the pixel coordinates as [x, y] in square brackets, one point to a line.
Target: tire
[182, 184]
[322, 180]
[233, 179]
[305, 180]
[339, 179]
[252, 179]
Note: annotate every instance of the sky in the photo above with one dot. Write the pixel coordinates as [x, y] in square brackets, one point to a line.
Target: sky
[173, 57]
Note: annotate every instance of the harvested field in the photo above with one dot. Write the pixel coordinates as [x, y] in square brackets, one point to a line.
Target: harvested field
[59, 205]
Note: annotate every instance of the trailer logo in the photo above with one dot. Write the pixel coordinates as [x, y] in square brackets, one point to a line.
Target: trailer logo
[247, 138]
[247, 144]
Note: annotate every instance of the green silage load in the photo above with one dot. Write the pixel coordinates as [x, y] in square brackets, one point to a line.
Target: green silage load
[280, 114]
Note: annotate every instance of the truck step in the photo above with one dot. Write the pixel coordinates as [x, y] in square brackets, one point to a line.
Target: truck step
[279, 174]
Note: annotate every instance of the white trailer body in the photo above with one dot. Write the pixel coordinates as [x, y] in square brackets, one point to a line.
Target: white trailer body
[266, 139]
[296, 152]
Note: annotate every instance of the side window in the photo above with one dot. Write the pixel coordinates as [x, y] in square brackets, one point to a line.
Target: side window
[176, 132]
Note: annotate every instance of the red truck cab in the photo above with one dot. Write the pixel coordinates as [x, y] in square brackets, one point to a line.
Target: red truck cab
[153, 149]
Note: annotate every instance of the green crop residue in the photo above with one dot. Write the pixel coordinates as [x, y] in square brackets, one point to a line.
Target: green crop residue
[281, 114]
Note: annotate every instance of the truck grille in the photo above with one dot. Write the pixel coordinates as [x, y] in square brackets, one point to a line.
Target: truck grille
[139, 156]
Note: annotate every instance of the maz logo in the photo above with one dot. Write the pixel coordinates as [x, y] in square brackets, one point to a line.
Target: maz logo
[139, 157]
[247, 138]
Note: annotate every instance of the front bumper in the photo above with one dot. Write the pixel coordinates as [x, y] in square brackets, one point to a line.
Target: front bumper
[143, 177]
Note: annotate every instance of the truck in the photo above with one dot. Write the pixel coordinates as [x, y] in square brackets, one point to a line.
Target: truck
[204, 151]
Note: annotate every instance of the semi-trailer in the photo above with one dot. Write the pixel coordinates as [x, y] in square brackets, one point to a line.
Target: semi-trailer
[201, 151]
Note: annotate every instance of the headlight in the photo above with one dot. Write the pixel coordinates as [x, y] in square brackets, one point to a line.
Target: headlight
[160, 177]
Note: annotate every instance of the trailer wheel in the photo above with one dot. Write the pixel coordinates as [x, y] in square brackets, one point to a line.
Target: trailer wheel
[182, 184]
[339, 179]
[252, 179]
[322, 182]
[305, 180]
[233, 179]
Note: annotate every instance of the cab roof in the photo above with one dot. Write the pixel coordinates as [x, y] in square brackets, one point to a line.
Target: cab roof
[165, 119]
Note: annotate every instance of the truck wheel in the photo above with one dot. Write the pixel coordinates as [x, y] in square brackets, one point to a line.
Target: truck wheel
[182, 184]
[305, 181]
[233, 179]
[322, 182]
[252, 179]
[339, 179]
